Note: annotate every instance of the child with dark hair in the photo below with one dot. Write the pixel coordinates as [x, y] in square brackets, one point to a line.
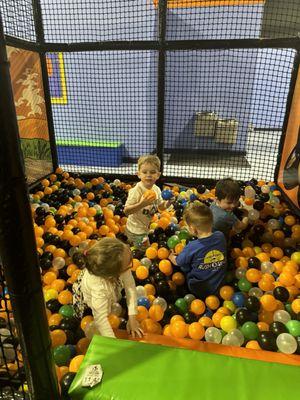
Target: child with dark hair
[228, 193]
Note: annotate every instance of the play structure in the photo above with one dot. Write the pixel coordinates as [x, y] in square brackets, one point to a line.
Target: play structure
[210, 86]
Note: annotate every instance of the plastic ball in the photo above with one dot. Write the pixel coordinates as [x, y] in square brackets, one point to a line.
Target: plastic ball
[213, 335]
[143, 301]
[179, 329]
[250, 330]
[238, 299]
[189, 298]
[293, 327]
[196, 331]
[228, 323]
[161, 302]
[197, 307]
[166, 194]
[286, 343]
[231, 340]
[281, 316]
[140, 291]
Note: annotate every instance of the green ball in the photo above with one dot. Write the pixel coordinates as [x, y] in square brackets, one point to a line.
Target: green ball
[230, 305]
[66, 311]
[250, 330]
[62, 355]
[184, 235]
[244, 285]
[173, 241]
[288, 307]
[293, 327]
[181, 305]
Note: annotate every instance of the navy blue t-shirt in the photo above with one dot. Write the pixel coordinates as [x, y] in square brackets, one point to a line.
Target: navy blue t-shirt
[204, 263]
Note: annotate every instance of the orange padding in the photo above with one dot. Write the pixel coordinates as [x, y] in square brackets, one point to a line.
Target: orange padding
[231, 351]
[209, 3]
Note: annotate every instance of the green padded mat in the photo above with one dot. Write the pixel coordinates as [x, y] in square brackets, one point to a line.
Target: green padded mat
[140, 371]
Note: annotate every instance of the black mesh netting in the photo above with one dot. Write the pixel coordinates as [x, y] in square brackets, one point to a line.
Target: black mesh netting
[17, 18]
[12, 374]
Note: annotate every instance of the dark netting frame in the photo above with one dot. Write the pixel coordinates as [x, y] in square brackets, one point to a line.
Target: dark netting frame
[235, 30]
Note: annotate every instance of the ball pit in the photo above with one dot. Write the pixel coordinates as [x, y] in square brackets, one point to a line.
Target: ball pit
[258, 307]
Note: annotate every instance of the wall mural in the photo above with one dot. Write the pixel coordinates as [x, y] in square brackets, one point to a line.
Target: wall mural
[27, 84]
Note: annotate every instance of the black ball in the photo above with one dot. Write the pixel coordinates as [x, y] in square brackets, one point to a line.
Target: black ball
[159, 276]
[53, 305]
[264, 197]
[47, 255]
[252, 303]
[258, 205]
[71, 336]
[277, 328]
[288, 251]
[137, 253]
[71, 323]
[281, 293]
[170, 230]
[158, 231]
[45, 263]
[163, 289]
[190, 317]
[171, 310]
[258, 229]
[267, 341]
[54, 327]
[66, 382]
[153, 269]
[243, 315]
[152, 237]
[254, 262]
[201, 189]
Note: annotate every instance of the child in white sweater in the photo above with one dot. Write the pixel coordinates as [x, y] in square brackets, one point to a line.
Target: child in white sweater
[107, 271]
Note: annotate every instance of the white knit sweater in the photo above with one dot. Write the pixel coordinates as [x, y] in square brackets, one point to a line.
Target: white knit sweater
[100, 294]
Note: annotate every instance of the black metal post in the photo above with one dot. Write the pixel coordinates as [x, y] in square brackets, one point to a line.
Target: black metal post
[162, 17]
[39, 30]
[18, 249]
[293, 81]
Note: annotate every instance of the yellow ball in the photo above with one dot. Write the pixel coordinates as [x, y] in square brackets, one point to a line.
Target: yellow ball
[230, 305]
[50, 294]
[228, 323]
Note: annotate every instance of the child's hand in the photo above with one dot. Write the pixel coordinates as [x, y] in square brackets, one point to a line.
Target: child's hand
[133, 327]
[144, 202]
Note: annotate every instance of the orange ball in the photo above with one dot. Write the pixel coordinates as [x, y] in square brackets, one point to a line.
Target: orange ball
[156, 312]
[266, 316]
[178, 248]
[58, 284]
[175, 318]
[268, 302]
[165, 266]
[163, 253]
[149, 326]
[253, 275]
[58, 337]
[151, 253]
[226, 292]
[216, 318]
[179, 329]
[290, 220]
[65, 297]
[75, 363]
[114, 321]
[286, 278]
[82, 345]
[197, 307]
[178, 278]
[241, 262]
[263, 326]
[142, 272]
[296, 306]
[150, 289]
[142, 313]
[54, 319]
[196, 331]
[163, 222]
[276, 252]
[49, 277]
[167, 330]
[212, 302]
[266, 285]
[85, 321]
[253, 344]
[206, 322]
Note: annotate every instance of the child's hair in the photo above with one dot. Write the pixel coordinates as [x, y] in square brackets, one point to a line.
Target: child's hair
[228, 189]
[105, 258]
[198, 215]
[151, 159]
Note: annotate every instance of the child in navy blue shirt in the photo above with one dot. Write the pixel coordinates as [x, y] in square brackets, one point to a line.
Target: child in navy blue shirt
[203, 260]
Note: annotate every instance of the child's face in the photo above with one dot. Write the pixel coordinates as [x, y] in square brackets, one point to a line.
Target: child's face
[227, 205]
[127, 259]
[148, 175]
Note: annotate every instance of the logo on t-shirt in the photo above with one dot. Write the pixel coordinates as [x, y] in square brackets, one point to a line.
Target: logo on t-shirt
[214, 259]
